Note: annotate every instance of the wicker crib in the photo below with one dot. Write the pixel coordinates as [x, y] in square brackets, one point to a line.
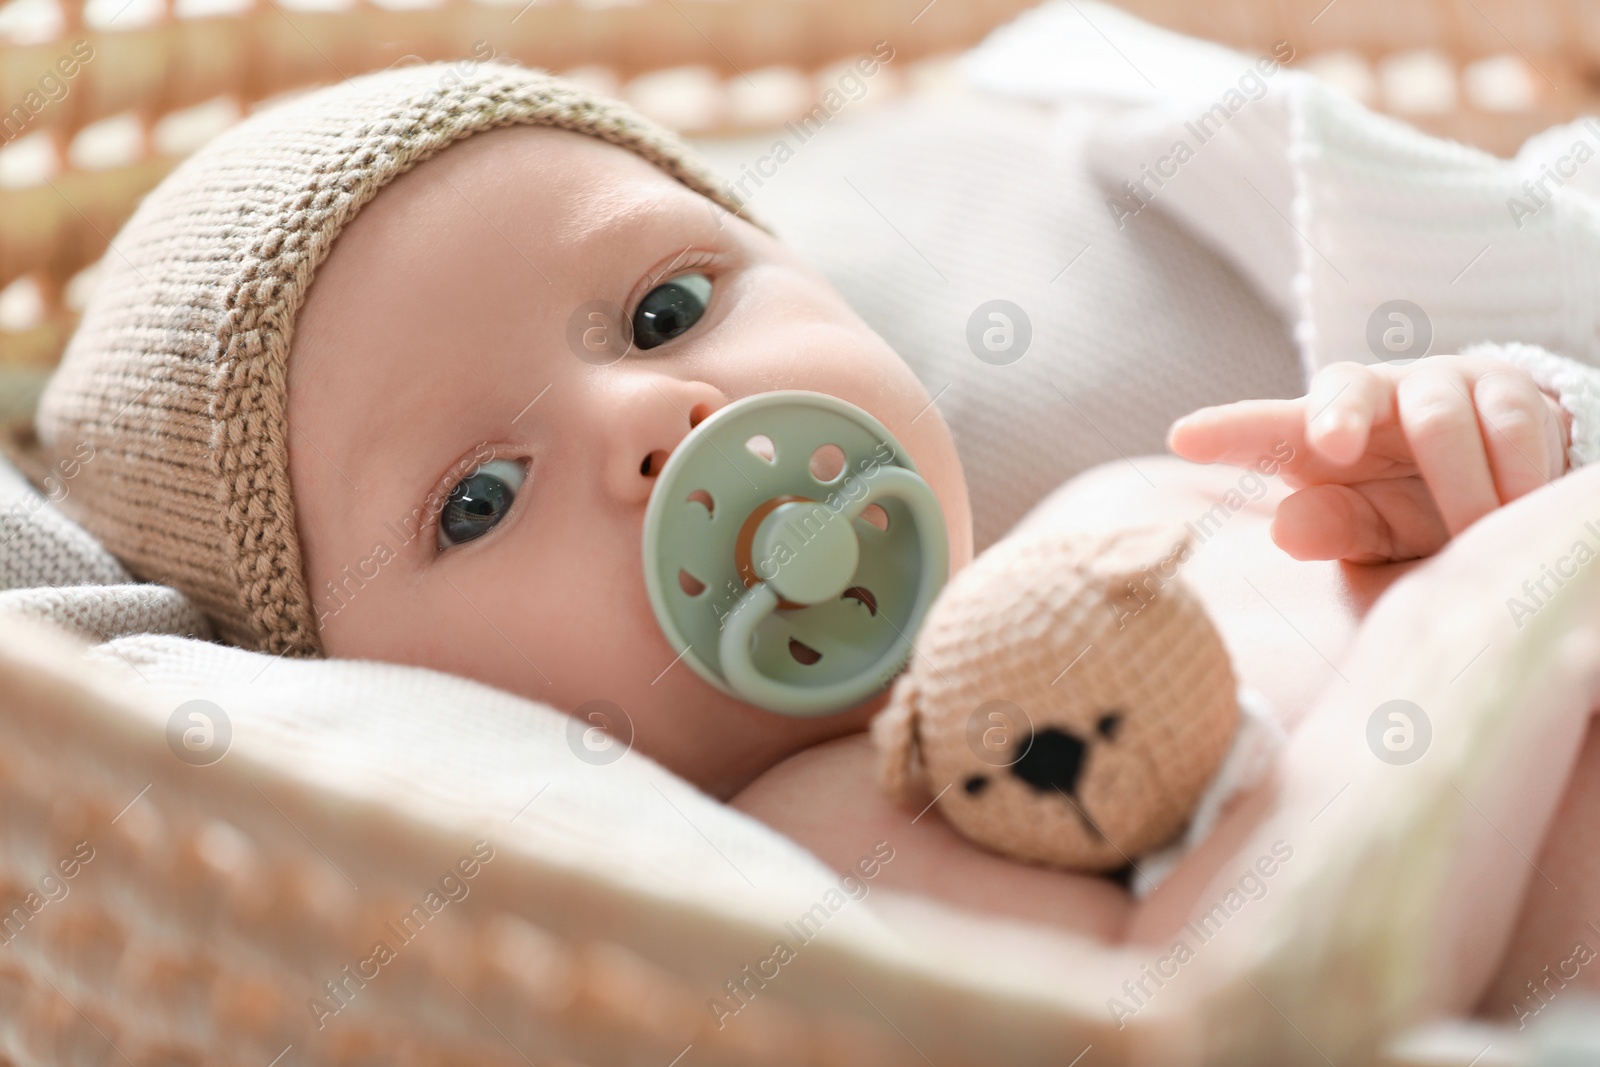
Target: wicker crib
[114, 92]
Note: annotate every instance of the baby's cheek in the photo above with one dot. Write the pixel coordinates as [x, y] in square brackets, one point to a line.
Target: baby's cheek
[597, 641]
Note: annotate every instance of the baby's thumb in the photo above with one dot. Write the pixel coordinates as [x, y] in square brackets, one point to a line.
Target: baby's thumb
[1372, 522]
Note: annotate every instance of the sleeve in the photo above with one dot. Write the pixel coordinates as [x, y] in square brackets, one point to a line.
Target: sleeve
[1575, 385]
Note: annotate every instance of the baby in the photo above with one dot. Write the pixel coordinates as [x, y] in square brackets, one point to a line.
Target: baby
[345, 391]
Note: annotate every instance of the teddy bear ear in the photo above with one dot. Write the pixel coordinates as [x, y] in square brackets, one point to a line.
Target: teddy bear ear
[1141, 548]
[894, 733]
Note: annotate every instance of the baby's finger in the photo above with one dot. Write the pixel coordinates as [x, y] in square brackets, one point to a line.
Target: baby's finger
[1344, 400]
[1374, 522]
[1519, 435]
[1240, 433]
[1441, 426]
[1330, 522]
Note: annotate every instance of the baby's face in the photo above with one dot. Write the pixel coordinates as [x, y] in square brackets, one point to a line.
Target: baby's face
[470, 493]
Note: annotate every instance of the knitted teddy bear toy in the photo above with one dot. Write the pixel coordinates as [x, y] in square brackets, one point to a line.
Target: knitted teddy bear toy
[1070, 702]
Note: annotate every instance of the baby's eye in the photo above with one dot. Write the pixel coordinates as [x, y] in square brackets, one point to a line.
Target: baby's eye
[479, 501]
[670, 309]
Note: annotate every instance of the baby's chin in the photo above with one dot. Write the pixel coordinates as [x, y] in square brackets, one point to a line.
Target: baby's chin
[721, 744]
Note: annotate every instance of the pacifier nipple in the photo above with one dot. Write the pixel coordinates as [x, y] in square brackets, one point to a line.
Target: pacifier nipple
[766, 570]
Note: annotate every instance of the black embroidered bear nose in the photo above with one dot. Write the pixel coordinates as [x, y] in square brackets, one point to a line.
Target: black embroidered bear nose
[1053, 761]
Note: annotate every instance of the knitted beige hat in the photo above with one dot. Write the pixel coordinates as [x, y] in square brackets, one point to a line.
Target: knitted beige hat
[176, 374]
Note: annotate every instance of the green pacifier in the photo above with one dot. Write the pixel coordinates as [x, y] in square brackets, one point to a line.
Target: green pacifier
[791, 552]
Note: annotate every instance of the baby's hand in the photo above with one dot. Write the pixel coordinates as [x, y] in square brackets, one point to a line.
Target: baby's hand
[1390, 461]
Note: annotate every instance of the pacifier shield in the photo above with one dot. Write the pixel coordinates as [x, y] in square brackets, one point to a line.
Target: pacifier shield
[791, 552]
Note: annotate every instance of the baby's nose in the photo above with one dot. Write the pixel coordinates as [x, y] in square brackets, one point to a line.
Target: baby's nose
[645, 425]
[656, 458]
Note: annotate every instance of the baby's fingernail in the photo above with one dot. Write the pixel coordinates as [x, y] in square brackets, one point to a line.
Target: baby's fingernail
[1332, 423]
